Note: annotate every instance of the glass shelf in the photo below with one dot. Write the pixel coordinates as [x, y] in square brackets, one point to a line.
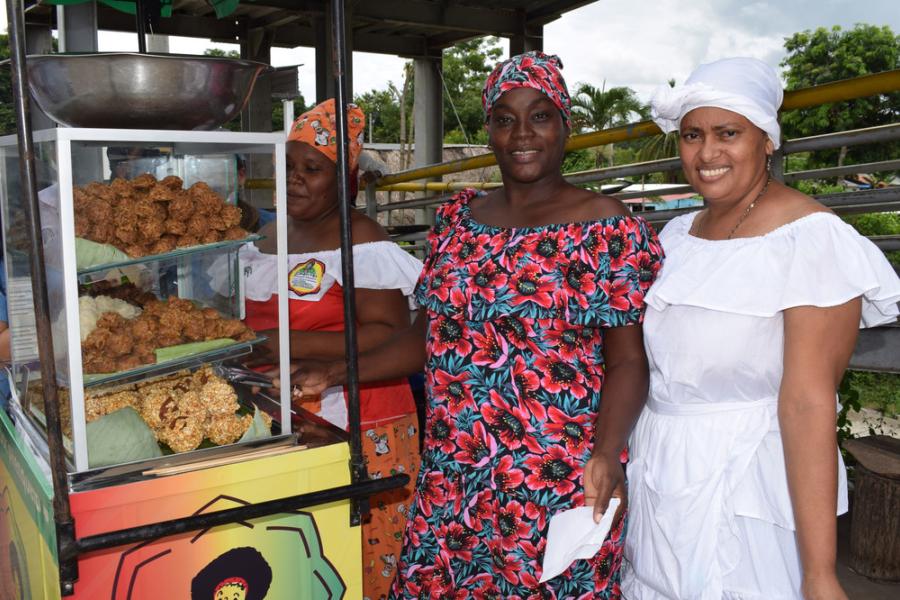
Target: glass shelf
[170, 366]
[177, 253]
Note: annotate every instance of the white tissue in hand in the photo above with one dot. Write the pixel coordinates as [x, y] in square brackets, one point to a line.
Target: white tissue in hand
[573, 535]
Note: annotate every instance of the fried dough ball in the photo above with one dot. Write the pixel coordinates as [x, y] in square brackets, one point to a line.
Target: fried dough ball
[158, 407]
[210, 314]
[98, 406]
[135, 251]
[79, 197]
[154, 307]
[120, 344]
[164, 244]
[145, 209]
[161, 193]
[111, 320]
[82, 227]
[229, 328]
[172, 181]
[144, 182]
[126, 363]
[235, 233]
[217, 223]
[194, 330]
[126, 236]
[146, 348]
[152, 230]
[185, 241]
[210, 237]
[101, 232]
[144, 328]
[121, 188]
[174, 318]
[197, 226]
[168, 336]
[183, 434]
[175, 227]
[201, 188]
[97, 340]
[227, 429]
[181, 208]
[231, 215]
[100, 364]
[208, 204]
[98, 210]
[219, 397]
[182, 304]
[248, 335]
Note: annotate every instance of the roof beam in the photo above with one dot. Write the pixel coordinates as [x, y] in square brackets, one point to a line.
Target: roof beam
[297, 34]
[181, 25]
[444, 16]
[553, 10]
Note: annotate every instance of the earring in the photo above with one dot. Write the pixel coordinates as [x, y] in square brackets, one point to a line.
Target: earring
[768, 163]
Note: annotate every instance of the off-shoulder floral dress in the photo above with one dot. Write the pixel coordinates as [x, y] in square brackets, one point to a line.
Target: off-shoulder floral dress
[514, 378]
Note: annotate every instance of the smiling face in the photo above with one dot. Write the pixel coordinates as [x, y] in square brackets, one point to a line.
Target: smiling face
[231, 591]
[311, 183]
[528, 136]
[722, 153]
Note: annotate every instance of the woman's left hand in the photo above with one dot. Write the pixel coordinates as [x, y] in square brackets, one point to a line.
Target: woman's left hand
[604, 478]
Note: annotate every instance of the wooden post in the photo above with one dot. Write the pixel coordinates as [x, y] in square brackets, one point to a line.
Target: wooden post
[875, 518]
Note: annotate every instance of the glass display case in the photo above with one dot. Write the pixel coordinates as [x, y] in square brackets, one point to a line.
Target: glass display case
[141, 238]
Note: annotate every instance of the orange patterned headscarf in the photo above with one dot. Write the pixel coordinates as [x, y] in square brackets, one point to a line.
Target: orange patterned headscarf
[316, 127]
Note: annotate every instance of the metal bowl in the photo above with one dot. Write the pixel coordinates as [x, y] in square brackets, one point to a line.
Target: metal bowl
[141, 91]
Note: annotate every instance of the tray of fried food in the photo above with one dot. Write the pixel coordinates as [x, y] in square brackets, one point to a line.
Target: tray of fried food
[143, 216]
[119, 344]
[184, 410]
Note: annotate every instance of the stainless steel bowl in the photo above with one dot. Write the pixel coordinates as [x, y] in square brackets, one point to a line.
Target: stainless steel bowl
[141, 91]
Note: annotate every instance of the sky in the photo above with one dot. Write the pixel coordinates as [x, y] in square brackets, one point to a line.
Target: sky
[634, 43]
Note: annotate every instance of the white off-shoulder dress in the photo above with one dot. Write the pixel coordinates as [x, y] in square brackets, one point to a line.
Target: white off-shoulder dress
[710, 517]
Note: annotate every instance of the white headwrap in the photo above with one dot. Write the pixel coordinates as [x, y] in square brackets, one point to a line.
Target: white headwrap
[746, 86]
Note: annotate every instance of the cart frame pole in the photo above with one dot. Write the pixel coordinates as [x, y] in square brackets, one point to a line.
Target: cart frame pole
[62, 517]
[357, 464]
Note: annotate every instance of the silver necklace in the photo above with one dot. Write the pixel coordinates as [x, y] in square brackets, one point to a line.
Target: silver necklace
[744, 215]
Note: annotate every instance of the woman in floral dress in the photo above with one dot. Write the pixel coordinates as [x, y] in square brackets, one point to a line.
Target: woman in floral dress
[532, 299]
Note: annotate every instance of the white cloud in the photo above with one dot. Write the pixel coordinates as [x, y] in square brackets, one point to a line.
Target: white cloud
[641, 44]
[638, 43]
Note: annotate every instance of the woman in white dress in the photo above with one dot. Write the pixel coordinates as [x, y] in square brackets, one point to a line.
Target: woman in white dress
[735, 477]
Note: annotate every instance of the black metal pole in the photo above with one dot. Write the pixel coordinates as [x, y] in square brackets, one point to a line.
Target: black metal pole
[242, 513]
[140, 16]
[357, 464]
[65, 527]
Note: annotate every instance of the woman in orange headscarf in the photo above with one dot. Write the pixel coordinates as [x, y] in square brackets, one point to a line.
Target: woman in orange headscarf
[385, 276]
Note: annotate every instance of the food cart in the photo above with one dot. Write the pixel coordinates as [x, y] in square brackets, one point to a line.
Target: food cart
[140, 460]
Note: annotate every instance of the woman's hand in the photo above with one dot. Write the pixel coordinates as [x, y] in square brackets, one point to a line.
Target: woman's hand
[604, 478]
[822, 587]
[312, 377]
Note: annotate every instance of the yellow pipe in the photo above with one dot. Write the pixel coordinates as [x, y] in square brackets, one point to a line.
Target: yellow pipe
[439, 186]
[837, 91]
[846, 89]
[259, 184]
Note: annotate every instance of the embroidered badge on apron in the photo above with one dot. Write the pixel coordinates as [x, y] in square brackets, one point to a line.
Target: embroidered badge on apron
[306, 277]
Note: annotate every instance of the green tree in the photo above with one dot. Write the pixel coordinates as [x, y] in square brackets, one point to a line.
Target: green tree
[594, 109]
[822, 56]
[221, 53]
[7, 110]
[465, 67]
[382, 108]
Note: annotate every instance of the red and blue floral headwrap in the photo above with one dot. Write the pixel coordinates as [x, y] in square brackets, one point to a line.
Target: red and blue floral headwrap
[533, 70]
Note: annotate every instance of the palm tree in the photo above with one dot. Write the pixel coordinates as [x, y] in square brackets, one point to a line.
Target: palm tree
[595, 108]
[664, 145]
